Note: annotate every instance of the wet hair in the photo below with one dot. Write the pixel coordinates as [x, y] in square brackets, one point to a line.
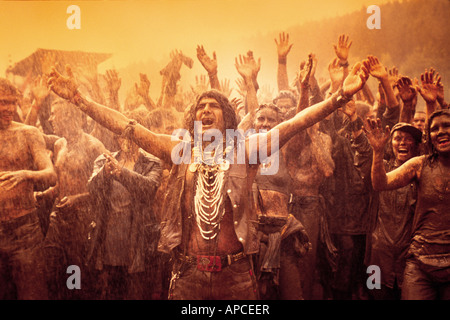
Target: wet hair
[7, 88]
[268, 106]
[229, 115]
[438, 113]
[286, 94]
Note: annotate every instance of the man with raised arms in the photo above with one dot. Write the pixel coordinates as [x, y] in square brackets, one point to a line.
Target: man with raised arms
[209, 222]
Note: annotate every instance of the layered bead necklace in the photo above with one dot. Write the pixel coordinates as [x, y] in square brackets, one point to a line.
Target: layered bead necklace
[208, 200]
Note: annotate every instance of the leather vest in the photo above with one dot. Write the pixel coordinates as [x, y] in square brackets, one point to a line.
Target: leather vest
[239, 192]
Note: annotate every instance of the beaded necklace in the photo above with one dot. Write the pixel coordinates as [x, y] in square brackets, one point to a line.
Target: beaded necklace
[208, 199]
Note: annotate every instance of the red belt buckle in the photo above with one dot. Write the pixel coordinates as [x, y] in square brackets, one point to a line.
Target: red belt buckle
[209, 263]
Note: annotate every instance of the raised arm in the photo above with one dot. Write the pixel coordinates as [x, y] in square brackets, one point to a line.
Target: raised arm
[114, 82]
[309, 116]
[378, 71]
[341, 49]
[440, 93]
[408, 94]
[336, 73]
[159, 145]
[303, 83]
[429, 90]
[400, 177]
[39, 91]
[143, 91]
[316, 95]
[283, 48]
[248, 69]
[210, 66]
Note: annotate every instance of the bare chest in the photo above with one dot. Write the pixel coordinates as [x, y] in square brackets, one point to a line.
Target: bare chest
[15, 153]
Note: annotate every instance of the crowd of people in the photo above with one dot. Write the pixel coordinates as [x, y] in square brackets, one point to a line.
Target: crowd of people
[335, 178]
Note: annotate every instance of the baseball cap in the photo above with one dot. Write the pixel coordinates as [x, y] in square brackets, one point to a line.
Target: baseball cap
[409, 128]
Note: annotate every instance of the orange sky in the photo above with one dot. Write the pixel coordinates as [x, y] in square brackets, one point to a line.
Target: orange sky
[134, 30]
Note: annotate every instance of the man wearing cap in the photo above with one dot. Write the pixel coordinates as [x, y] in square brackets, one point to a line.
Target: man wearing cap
[392, 216]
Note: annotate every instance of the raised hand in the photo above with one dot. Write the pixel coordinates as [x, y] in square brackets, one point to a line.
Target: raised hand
[283, 46]
[225, 86]
[440, 92]
[113, 80]
[314, 61]
[39, 89]
[393, 75]
[266, 93]
[430, 87]
[342, 48]
[305, 71]
[209, 64]
[65, 87]
[201, 84]
[355, 80]
[406, 89]
[237, 104]
[376, 135]
[336, 74]
[241, 89]
[375, 67]
[244, 66]
[144, 86]
[175, 57]
[255, 65]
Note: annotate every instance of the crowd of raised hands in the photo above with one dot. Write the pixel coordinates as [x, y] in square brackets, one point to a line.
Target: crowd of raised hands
[393, 99]
[395, 90]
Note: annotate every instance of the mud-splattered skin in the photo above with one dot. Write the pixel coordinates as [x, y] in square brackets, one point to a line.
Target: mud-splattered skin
[162, 145]
[74, 163]
[274, 203]
[74, 153]
[24, 161]
[227, 241]
[411, 169]
[309, 162]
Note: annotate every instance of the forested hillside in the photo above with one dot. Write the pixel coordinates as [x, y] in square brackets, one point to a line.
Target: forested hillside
[414, 35]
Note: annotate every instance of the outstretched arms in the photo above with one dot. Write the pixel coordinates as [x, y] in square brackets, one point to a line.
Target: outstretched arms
[309, 116]
[157, 144]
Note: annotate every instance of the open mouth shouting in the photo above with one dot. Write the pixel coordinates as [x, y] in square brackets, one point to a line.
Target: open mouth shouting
[403, 150]
[404, 153]
[208, 122]
[443, 142]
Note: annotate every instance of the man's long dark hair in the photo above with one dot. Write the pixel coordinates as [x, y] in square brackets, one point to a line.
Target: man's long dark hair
[229, 116]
